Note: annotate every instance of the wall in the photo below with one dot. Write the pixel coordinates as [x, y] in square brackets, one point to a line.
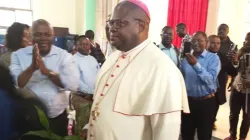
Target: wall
[90, 17]
[231, 12]
[158, 11]
[80, 17]
[60, 13]
[212, 17]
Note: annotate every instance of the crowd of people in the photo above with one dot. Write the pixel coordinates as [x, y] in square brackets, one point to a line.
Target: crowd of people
[142, 91]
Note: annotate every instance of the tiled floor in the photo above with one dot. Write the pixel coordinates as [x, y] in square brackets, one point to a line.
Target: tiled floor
[223, 121]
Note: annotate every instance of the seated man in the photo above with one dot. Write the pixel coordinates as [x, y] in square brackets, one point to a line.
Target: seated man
[46, 69]
[87, 65]
[167, 36]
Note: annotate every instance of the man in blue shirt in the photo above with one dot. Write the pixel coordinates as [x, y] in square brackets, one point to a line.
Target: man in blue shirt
[200, 71]
[46, 70]
[167, 36]
[87, 65]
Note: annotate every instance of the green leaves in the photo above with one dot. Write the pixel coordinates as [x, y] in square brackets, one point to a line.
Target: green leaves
[46, 134]
[71, 138]
[42, 117]
[41, 133]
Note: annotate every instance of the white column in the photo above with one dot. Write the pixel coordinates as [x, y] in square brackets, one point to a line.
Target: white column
[212, 17]
[80, 16]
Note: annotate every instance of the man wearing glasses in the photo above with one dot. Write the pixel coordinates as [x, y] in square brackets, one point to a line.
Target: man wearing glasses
[139, 92]
[167, 36]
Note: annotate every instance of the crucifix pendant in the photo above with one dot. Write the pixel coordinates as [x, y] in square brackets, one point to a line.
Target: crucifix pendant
[95, 113]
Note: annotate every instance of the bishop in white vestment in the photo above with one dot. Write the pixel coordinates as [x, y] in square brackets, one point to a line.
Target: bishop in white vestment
[140, 93]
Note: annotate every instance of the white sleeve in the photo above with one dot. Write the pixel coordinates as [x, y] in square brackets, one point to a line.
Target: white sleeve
[15, 67]
[166, 126]
[69, 74]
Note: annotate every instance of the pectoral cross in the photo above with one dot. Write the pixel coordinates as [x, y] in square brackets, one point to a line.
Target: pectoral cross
[95, 113]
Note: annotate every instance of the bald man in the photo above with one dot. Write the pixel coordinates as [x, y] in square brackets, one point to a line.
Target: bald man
[46, 70]
[139, 93]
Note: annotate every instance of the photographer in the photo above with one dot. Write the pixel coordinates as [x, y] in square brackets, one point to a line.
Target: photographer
[240, 89]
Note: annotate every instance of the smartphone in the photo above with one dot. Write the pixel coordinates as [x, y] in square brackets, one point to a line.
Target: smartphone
[233, 47]
[187, 47]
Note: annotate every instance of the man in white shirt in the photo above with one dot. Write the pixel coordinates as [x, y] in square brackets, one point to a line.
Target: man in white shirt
[87, 66]
[46, 70]
[139, 93]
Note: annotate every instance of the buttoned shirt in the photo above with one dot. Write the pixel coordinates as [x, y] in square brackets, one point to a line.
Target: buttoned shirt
[88, 68]
[201, 78]
[171, 52]
[57, 60]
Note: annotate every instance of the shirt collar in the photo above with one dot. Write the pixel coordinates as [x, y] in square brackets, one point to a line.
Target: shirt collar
[79, 54]
[161, 46]
[204, 53]
[226, 40]
[53, 50]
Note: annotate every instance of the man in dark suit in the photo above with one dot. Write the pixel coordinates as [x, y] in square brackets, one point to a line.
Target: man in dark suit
[227, 68]
[226, 44]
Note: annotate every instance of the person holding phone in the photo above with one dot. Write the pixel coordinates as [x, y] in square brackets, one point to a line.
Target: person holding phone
[200, 70]
[227, 46]
[238, 97]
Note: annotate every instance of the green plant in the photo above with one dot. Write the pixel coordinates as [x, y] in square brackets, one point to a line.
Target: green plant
[83, 117]
[47, 133]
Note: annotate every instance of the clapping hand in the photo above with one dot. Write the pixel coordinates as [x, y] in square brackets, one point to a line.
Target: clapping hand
[37, 62]
[35, 65]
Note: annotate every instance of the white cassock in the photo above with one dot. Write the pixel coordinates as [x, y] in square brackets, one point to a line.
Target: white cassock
[138, 97]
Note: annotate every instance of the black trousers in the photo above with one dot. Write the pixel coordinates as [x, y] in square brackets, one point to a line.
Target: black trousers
[237, 103]
[59, 124]
[201, 119]
[217, 106]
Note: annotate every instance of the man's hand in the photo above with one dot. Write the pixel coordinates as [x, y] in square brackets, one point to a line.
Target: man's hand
[43, 68]
[233, 56]
[35, 59]
[191, 59]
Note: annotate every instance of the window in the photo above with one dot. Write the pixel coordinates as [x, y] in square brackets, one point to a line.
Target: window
[14, 11]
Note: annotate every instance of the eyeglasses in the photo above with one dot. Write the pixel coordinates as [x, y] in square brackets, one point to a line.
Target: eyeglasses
[120, 23]
[166, 34]
[194, 41]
